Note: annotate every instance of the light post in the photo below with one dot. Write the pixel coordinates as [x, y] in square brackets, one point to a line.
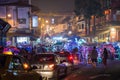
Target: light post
[39, 25]
[47, 26]
[113, 34]
[108, 36]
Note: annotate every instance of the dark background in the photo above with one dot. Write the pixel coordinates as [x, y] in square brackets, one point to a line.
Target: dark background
[60, 6]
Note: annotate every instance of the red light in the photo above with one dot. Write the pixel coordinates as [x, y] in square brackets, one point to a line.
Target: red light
[70, 57]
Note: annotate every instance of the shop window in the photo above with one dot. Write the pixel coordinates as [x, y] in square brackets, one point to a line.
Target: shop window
[79, 27]
[82, 26]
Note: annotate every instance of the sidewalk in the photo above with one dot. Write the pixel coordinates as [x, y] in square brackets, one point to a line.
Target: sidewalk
[112, 64]
[88, 72]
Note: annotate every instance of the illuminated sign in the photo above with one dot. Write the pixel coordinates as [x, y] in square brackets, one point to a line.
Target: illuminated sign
[35, 21]
[22, 39]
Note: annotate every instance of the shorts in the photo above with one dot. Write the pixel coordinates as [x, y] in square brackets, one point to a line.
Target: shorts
[104, 61]
[94, 60]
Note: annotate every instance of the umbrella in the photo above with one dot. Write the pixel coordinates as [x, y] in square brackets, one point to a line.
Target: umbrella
[12, 49]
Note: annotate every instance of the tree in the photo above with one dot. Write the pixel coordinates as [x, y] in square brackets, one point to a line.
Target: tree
[88, 8]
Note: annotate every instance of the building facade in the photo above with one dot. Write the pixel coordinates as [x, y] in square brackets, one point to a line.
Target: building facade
[110, 23]
[107, 26]
[18, 14]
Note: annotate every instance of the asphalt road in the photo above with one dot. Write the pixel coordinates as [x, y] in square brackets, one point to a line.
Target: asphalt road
[88, 72]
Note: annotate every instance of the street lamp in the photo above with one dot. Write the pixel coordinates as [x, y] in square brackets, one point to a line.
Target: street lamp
[9, 15]
[112, 29]
[47, 26]
[39, 19]
[70, 32]
[46, 21]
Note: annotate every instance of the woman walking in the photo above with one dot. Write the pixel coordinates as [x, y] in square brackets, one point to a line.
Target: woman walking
[105, 57]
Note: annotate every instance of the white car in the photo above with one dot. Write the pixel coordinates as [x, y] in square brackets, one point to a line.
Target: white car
[48, 65]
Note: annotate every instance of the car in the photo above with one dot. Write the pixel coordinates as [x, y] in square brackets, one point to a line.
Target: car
[49, 66]
[76, 58]
[67, 59]
[15, 67]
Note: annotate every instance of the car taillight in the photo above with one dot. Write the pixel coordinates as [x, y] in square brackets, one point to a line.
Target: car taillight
[51, 66]
[70, 57]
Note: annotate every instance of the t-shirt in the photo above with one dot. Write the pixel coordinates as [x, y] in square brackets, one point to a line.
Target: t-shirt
[94, 54]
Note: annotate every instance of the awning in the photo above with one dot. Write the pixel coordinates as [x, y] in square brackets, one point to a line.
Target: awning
[4, 26]
[19, 34]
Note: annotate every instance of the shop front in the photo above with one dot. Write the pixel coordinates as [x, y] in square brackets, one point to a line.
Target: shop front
[19, 39]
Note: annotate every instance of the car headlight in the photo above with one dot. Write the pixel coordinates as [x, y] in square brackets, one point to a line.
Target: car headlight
[50, 66]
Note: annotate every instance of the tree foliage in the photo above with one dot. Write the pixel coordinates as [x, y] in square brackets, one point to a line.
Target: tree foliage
[88, 8]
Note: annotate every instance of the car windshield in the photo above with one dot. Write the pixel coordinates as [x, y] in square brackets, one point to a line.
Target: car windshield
[2, 61]
[43, 58]
[62, 54]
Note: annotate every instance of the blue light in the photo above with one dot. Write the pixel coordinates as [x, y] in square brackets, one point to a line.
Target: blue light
[57, 38]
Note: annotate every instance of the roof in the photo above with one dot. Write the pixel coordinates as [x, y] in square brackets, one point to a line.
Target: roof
[67, 19]
[16, 4]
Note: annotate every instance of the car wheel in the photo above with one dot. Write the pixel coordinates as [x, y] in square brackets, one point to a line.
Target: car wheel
[69, 69]
[65, 71]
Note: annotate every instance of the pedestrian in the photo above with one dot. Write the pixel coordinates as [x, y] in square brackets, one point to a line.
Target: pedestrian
[93, 56]
[1, 49]
[105, 57]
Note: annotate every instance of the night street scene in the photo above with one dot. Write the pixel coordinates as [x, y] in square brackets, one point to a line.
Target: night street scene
[59, 40]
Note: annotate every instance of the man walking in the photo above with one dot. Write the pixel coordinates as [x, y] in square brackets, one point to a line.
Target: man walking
[93, 56]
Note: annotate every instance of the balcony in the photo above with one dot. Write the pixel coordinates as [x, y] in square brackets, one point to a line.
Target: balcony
[113, 23]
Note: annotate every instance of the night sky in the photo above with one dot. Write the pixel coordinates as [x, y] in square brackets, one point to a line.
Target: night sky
[59, 6]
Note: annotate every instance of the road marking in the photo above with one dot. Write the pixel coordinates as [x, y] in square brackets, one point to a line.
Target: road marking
[95, 76]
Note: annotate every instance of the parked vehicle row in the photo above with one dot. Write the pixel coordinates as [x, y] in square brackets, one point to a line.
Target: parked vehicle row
[54, 65]
[43, 66]
[14, 67]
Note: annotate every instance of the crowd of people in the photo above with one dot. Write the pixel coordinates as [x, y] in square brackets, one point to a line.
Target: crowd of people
[93, 56]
